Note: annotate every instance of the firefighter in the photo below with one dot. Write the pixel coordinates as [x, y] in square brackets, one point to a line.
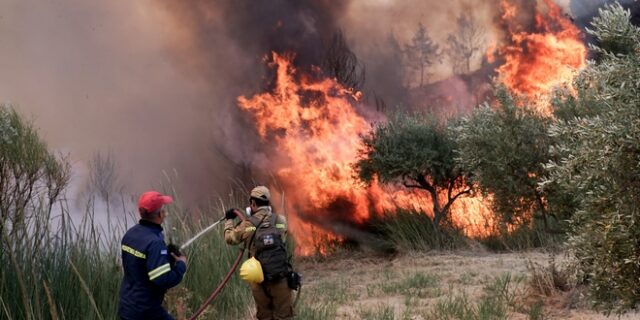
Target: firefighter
[273, 296]
[149, 268]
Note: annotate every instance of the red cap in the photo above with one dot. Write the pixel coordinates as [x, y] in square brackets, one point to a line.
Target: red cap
[153, 200]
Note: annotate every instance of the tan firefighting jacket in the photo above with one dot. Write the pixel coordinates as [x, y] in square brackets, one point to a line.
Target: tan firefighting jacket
[243, 232]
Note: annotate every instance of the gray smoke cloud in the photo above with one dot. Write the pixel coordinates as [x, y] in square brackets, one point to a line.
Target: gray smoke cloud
[98, 76]
[156, 82]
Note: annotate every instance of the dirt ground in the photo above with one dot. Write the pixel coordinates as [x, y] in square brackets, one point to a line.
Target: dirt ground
[411, 286]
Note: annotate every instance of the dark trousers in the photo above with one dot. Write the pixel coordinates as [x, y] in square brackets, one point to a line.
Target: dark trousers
[166, 316]
[274, 301]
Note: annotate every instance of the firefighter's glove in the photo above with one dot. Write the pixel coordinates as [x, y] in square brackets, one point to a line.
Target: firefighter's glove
[173, 250]
[230, 214]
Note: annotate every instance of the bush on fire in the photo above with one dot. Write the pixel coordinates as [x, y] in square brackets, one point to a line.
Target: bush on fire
[417, 152]
[505, 149]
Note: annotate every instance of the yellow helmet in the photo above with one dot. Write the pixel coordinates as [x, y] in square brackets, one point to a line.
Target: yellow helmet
[251, 271]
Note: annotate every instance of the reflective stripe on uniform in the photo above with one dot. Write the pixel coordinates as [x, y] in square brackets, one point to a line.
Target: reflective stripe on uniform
[159, 271]
[280, 226]
[133, 251]
[250, 229]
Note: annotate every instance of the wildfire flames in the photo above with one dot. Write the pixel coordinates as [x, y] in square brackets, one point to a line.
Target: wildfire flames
[538, 61]
[312, 124]
[316, 131]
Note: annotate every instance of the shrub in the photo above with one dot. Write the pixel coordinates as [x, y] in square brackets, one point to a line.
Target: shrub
[599, 155]
[418, 153]
[504, 147]
[413, 231]
[55, 267]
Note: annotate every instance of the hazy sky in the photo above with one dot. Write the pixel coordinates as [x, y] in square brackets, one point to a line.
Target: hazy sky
[98, 76]
[123, 76]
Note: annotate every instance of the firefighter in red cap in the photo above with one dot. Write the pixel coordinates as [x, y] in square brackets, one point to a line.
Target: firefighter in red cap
[263, 233]
[149, 267]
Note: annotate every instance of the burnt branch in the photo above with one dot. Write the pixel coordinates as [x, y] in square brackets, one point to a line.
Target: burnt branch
[342, 64]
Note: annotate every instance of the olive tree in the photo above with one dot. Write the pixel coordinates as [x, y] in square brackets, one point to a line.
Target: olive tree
[505, 148]
[417, 152]
[599, 162]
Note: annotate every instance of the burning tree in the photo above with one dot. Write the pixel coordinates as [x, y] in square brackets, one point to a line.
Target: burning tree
[538, 60]
[342, 64]
[417, 152]
[465, 44]
[505, 148]
[599, 156]
[422, 53]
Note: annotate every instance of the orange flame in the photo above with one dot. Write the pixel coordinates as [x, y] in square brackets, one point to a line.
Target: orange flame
[316, 131]
[537, 62]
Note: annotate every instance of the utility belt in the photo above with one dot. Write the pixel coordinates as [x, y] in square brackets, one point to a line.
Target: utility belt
[294, 280]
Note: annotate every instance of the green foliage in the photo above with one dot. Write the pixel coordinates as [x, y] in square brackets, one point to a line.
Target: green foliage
[505, 148]
[598, 163]
[413, 231]
[614, 32]
[524, 237]
[498, 298]
[381, 312]
[417, 152]
[31, 177]
[40, 282]
[31, 180]
[71, 270]
[316, 311]
[407, 146]
[416, 285]
[64, 272]
[209, 261]
[321, 301]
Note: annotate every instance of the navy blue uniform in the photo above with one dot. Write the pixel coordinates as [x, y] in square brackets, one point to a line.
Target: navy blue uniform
[147, 273]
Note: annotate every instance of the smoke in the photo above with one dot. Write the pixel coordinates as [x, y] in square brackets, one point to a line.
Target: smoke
[98, 76]
[379, 30]
[584, 10]
[244, 32]
[231, 40]
[156, 82]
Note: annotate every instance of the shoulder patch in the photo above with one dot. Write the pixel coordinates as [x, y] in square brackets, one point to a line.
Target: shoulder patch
[163, 252]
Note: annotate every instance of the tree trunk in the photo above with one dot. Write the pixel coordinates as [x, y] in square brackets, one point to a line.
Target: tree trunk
[543, 210]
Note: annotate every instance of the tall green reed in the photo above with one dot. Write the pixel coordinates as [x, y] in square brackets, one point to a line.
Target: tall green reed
[70, 268]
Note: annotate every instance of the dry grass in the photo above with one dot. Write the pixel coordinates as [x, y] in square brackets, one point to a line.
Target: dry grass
[551, 278]
[437, 285]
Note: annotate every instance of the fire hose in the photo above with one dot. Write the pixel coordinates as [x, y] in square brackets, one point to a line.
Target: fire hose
[227, 277]
[220, 286]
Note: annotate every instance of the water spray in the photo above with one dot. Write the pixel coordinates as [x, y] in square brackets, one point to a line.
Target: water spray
[227, 277]
[232, 270]
[194, 238]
